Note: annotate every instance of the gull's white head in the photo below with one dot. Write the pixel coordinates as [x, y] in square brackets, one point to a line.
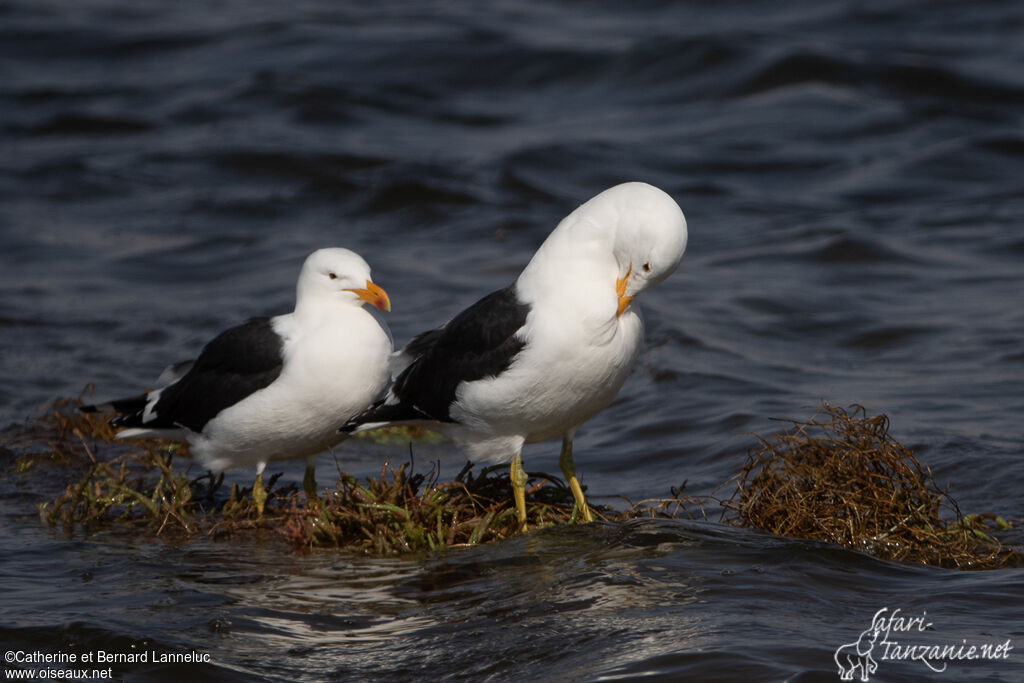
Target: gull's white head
[337, 274]
[650, 236]
[622, 241]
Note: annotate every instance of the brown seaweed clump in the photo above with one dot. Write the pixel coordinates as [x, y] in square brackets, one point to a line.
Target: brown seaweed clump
[840, 477]
[149, 484]
[399, 513]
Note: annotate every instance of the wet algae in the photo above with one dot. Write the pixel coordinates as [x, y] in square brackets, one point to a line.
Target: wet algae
[838, 477]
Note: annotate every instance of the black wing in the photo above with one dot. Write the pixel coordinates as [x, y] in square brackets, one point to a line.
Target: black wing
[235, 364]
[479, 342]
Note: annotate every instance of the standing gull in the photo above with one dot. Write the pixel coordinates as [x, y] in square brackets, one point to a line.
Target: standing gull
[273, 388]
[537, 359]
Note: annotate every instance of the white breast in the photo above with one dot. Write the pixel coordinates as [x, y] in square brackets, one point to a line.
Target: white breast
[566, 374]
[332, 371]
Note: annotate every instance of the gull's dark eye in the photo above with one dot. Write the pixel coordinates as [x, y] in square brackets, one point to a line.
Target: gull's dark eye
[647, 267]
[332, 276]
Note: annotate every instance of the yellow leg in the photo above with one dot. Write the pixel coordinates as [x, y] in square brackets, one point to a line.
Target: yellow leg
[309, 483]
[518, 477]
[259, 494]
[569, 470]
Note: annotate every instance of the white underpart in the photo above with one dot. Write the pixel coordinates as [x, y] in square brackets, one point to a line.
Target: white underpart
[333, 370]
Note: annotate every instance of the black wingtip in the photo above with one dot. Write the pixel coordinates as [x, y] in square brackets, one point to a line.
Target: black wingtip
[128, 410]
[127, 420]
[383, 412]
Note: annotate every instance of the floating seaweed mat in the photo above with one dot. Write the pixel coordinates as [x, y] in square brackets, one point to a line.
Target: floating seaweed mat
[147, 483]
[396, 513]
[838, 477]
[841, 477]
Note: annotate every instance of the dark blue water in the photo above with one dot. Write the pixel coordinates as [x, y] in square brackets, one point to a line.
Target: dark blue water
[853, 176]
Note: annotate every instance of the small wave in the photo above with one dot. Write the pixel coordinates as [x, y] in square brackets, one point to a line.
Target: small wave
[292, 164]
[929, 80]
[413, 192]
[885, 337]
[856, 249]
[87, 124]
[1011, 146]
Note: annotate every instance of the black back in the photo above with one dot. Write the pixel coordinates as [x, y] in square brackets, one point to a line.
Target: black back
[479, 342]
[237, 363]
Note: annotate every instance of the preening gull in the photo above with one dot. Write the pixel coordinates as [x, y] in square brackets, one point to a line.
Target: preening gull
[273, 388]
[537, 359]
